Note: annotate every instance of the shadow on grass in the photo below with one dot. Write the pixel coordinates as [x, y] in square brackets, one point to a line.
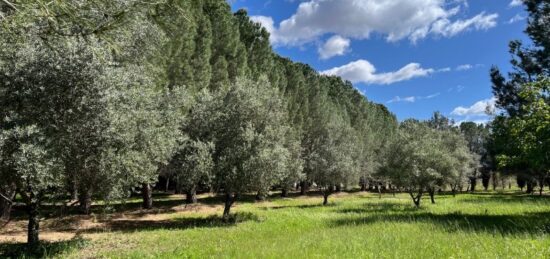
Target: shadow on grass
[44, 250]
[379, 208]
[303, 206]
[505, 198]
[214, 221]
[57, 210]
[529, 223]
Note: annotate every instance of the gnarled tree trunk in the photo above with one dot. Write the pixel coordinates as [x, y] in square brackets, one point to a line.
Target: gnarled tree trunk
[85, 200]
[303, 187]
[284, 192]
[147, 194]
[328, 191]
[473, 183]
[74, 190]
[261, 195]
[363, 187]
[191, 196]
[431, 191]
[33, 228]
[416, 198]
[32, 200]
[230, 199]
[325, 199]
[530, 186]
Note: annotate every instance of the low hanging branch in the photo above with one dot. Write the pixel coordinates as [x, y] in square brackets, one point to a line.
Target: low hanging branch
[6, 198]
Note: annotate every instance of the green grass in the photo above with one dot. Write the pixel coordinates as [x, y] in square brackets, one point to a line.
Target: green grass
[353, 226]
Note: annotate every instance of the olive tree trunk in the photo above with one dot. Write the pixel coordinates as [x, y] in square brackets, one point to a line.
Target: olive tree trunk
[303, 187]
[541, 184]
[473, 183]
[284, 192]
[32, 200]
[431, 191]
[191, 195]
[530, 186]
[74, 190]
[147, 194]
[33, 228]
[416, 197]
[261, 195]
[328, 191]
[230, 199]
[85, 200]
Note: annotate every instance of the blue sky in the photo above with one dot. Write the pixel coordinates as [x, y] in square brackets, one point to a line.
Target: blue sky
[414, 56]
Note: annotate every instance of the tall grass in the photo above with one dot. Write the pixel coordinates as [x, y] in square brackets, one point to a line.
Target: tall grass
[352, 226]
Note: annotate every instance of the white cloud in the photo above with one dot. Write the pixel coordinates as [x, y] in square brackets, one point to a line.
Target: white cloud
[268, 24]
[464, 67]
[335, 46]
[431, 96]
[362, 71]
[458, 89]
[447, 28]
[358, 19]
[478, 109]
[516, 18]
[515, 3]
[479, 121]
[412, 99]
[445, 69]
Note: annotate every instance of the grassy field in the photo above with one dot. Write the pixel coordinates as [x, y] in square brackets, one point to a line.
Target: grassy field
[357, 225]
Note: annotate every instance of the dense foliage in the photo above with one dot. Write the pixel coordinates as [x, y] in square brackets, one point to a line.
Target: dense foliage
[520, 133]
[105, 99]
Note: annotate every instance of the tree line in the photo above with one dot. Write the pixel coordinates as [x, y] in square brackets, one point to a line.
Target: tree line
[101, 99]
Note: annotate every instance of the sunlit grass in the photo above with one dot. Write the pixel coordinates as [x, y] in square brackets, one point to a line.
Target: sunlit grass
[352, 226]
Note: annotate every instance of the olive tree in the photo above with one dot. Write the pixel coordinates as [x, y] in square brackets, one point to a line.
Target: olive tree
[192, 165]
[332, 160]
[463, 160]
[27, 162]
[416, 159]
[246, 121]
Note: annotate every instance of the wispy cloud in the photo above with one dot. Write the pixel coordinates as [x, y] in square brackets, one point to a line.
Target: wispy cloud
[412, 99]
[516, 18]
[397, 99]
[458, 88]
[515, 3]
[464, 67]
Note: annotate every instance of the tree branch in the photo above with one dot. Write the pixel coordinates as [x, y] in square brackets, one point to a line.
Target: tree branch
[6, 198]
[12, 6]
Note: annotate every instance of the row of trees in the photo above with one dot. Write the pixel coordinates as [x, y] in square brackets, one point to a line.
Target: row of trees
[100, 98]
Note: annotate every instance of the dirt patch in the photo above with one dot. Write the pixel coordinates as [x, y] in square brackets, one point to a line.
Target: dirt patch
[68, 227]
[89, 226]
